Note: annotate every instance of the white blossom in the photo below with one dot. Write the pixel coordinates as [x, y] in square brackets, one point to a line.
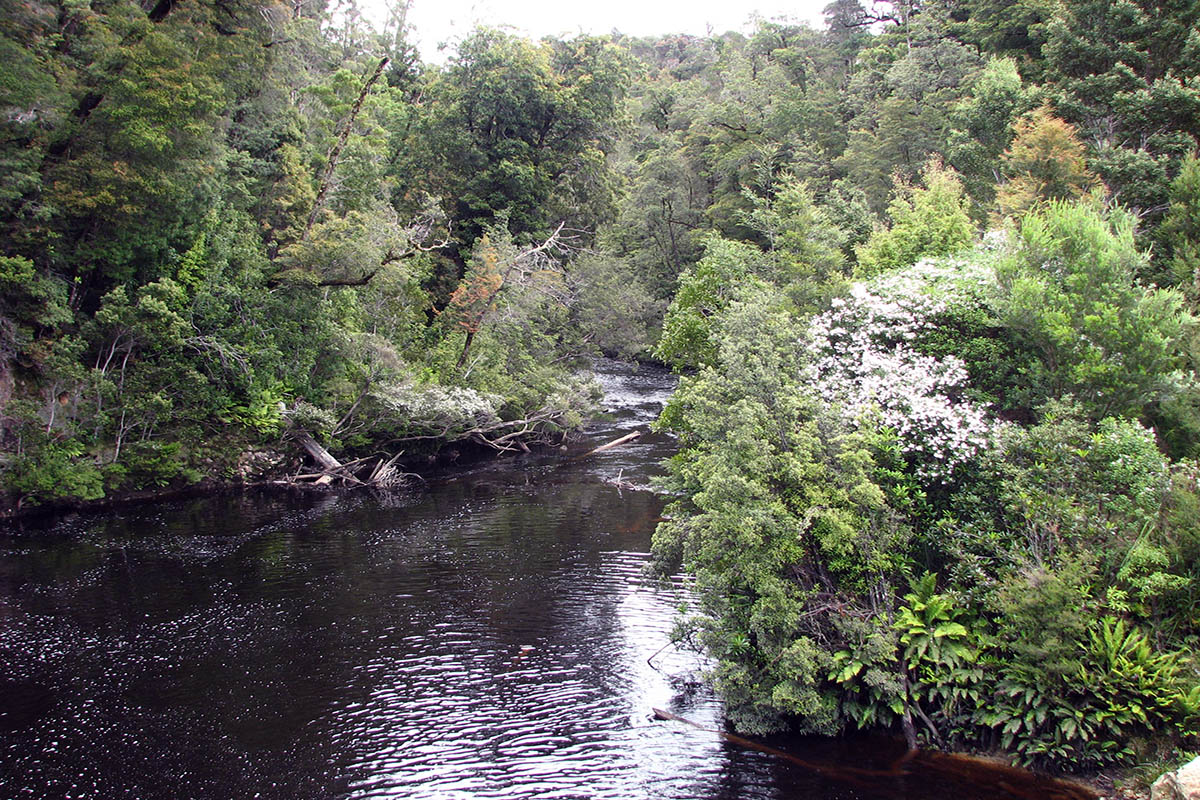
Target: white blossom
[865, 363]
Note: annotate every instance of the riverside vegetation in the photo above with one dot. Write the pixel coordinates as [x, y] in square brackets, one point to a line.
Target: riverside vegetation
[928, 479]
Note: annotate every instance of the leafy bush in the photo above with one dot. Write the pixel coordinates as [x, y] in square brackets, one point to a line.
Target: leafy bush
[826, 460]
[933, 220]
[51, 468]
[1120, 691]
[1068, 293]
[869, 365]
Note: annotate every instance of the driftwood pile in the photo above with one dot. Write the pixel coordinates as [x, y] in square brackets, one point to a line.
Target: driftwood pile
[377, 471]
[381, 472]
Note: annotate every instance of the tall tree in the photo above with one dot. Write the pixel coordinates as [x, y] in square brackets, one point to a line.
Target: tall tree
[1180, 232]
[525, 129]
[1124, 72]
[1045, 162]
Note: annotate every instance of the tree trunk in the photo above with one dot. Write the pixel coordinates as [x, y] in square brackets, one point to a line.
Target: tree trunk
[910, 731]
[462, 359]
[629, 437]
[335, 152]
[322, 456]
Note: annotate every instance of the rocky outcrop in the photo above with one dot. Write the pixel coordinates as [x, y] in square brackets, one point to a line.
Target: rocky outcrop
[260, 463]
[1179, 784]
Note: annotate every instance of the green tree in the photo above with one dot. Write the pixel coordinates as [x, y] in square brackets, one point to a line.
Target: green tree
[803, 242]
[901, 95]
[1069, 291]
[1180, 233]
[983, 129]
[613, 310]
[1045, 162]
[1014, 30]
[778, 513]
[705, 290]
[929, 220]
[661, 216]
[524, 129]
[1123, 72]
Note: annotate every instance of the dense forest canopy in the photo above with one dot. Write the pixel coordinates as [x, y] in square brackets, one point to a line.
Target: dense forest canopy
[929, 275]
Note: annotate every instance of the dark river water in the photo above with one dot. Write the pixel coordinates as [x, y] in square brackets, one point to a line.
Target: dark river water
[494, 635]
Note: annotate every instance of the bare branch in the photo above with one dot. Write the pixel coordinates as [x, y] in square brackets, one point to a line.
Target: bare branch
[335, 152]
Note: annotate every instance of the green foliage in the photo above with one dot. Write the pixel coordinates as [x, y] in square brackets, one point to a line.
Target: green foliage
[29, 302]
[1069, 292]
[905, 83]
[780, 506]
[704, 291]
[1068, 543]
[211, 239]
[261, 412]
[1044, 163]
[983, 129]
[146, 464]
[805, 244]
[944, 680]
[47, 467]
[1077, 486]
[931, 220]
[1180, 232]
[929, 631]
[523, 129]
[614, 311]
[1120, 690]
[993, 359]
[1124, 74]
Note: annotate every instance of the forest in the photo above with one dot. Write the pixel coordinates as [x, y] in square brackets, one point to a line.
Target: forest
[929, 276]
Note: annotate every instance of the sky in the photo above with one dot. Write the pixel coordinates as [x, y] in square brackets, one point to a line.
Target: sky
[436, 21]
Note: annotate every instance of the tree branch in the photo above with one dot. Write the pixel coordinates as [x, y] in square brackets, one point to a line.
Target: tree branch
[335, 152]
[361, 280]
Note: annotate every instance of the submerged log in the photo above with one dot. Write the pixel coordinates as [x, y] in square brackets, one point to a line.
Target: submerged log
[629, 437]
[1014, 782]
[853, 773]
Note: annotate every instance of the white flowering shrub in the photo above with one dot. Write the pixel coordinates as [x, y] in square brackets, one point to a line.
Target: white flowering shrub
[434, 409]
[867, 365]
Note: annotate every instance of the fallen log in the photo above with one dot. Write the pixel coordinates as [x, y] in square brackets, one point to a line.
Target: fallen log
[330, 465]
[384, 472]
[629, 437]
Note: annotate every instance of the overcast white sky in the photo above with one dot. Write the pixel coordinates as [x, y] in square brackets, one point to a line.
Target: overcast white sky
[438, 21]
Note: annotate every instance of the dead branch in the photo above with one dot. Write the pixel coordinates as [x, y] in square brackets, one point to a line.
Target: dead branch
[361, 280]
[335, 152]
[629, 437]
[330, 466]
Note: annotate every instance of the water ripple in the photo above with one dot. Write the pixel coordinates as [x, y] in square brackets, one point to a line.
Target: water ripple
[489, 638]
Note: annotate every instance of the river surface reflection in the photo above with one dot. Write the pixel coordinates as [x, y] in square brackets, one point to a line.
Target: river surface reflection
[494, 635]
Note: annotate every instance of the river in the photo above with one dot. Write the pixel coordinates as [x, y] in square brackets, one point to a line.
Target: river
[493, 634]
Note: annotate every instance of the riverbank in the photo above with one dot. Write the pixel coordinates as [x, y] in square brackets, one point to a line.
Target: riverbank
[1117, 785]
[267, 469]
[230, 462]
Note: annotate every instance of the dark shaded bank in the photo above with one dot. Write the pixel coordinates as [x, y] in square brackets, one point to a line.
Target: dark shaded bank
[417, 467]
[271, 468]
[891, 760]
